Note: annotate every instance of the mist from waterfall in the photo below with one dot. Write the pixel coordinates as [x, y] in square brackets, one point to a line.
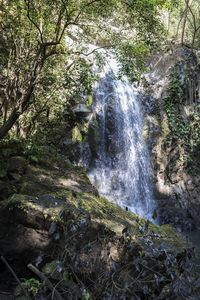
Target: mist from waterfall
[121, 169]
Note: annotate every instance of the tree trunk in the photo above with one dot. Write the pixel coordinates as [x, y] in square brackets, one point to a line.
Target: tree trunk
[16, 113]
[9, 123]
[184, 22]
[26, 99]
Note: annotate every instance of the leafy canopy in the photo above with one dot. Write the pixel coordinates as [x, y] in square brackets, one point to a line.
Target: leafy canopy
[43, 38]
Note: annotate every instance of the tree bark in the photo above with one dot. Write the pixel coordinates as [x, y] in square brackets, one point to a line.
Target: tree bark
[184, 22]
[9, 123]
[17, 112]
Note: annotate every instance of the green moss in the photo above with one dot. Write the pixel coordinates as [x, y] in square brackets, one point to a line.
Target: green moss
[50, 267]
[86, 127]
[16, 201]
[76, 135]
[115, 218]
[96, 128]
[165, 129]
[89, 101]
[95, 122]
[100, 210]
[14, 198]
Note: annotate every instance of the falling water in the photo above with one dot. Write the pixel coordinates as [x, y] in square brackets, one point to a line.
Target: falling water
[121, 166]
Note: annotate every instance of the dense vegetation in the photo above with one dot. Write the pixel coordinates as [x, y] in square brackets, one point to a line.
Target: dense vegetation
[184, 125]
[43, 45]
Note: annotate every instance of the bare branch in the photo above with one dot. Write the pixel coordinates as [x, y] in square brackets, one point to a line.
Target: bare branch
[15, 276]
[46, 280]
[58, 24]
[31, 20]
[77, 52]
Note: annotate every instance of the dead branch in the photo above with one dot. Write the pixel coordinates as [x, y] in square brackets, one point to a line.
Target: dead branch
[46, 280]
[15, 276]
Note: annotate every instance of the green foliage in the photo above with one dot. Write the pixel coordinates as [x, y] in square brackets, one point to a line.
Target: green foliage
[148, 18]
[132, 59]
[34, 149]
[89, 101]
[86, 295]
[32, 285]
[76, 135]
[78, 82]
[183, 129]
[184, 22]
[44, 48]
[11, 146]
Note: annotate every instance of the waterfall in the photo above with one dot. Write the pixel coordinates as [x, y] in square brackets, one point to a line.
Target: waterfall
[120, 168]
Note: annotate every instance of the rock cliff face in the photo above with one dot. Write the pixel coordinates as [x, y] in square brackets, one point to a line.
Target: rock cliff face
[171, 89]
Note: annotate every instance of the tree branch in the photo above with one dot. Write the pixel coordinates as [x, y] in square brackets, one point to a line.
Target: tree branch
[31, 20]
[15, 276]
[46, 280]
[77, 52]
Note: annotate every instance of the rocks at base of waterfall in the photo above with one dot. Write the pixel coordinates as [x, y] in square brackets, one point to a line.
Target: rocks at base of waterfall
[180, 199]
[92, 241]
[177, 217]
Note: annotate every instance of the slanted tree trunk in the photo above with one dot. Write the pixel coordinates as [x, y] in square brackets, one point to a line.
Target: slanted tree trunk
[24, 101]
[195, 27]
[184, 21]
[9, 123]
[17, 111]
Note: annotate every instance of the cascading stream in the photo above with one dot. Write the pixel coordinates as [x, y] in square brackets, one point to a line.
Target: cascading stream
[121, 169]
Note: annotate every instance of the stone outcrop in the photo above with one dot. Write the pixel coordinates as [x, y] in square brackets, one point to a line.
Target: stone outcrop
[85, 245]
[77, 239]
[176, 76]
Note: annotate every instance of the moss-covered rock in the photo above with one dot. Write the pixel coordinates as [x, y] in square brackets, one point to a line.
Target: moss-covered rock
[88, 236]
[92, 246]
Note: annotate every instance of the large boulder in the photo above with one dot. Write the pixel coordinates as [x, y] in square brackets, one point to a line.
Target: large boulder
[76, 239]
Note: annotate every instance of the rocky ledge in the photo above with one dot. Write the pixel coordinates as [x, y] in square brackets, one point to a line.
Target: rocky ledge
[69, 243]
